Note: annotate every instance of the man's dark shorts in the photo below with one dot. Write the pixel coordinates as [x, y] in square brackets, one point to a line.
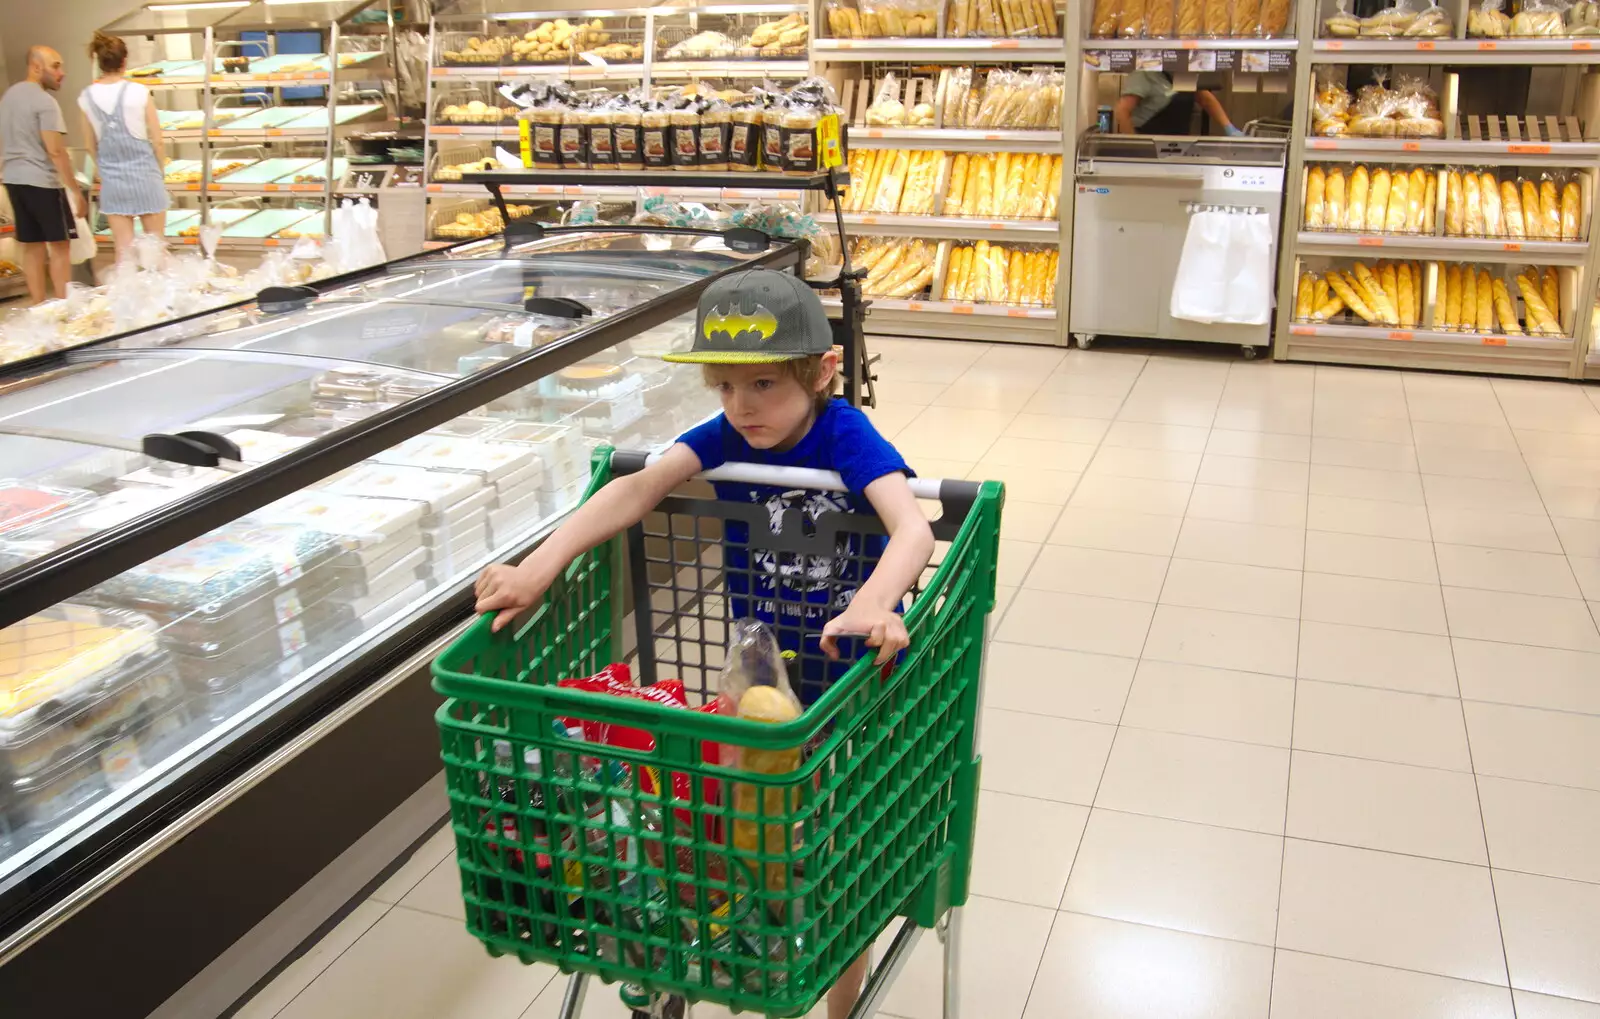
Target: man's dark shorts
[41, 214]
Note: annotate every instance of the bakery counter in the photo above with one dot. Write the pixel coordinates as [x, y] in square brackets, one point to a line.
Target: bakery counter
[217, 535]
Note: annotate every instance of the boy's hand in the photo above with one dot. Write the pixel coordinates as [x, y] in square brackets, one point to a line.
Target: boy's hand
[881, 628]
[507, 590]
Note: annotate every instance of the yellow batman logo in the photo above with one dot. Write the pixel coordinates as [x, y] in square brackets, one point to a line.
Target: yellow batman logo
[733, 324]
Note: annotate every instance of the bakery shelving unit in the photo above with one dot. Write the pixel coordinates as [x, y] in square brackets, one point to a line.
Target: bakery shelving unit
[1517, 108]
[620, 49]
[899, 97]
[245, 136]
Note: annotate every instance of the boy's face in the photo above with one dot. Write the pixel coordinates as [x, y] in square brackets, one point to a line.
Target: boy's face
[765, 404]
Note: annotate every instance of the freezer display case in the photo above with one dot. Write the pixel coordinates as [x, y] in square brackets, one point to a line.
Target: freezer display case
[207, 526]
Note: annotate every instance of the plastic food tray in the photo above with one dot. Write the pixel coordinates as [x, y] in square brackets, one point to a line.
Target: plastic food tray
[268, 170]
[268, 222]
[272, 116]
[275, 64]
[168, 69]
[25, 505]
[181, 166]
[354, 521]
[440, 492]
[318, 118]
[316, 166]
[491, 461]
[281, 651]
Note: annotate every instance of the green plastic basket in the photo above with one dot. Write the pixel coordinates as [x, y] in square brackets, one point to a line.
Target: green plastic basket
[619, 863]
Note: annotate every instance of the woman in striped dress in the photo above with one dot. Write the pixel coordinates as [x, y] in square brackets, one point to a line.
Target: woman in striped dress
[123, 132]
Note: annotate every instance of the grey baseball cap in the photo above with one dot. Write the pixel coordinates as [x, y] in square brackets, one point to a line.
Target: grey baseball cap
[759, 316]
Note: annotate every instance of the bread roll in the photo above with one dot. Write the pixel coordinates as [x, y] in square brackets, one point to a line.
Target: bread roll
[1344, 287]
[1408, 309]
[1356, 202]
[1416, 194]
[1550, 209]
[1471, 205]
[1333, 199]
[1469, 299]
[1377, 201]
[1489, 195]
[1550, 290]
[1502, 307]
[1315, 185]
[1451, 317]
[1511, 209]
[1485, 302]
[1399, 202]
[1531, 220]
[1430, 205]
[1455, 220]
[1571, 210]
[1302, 298]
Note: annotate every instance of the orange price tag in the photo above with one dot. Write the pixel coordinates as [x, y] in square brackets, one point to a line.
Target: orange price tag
[1303, 330]
[1485, 44]
[869, 220]
[305, 187]
[269, 187]
[444, 129]
[873, 132]
[1370, 242]
[1007, 44]
[997, 226]
[1424, 45]
[1401, 334]
[1511, 246]
[1016, 313]
[440, 72]
[1410, 146]
[1190, 44]
[274, 132]
[213, 133]
[914, 305]
[435, 187]
[991, 137]
[1528, 150]
[1335, 44]
[846, 45]
[1582, 45]
[1494, 341]
[270, 242]
[961, 309]
[1324, 143]
[190, 240]
[191, 187]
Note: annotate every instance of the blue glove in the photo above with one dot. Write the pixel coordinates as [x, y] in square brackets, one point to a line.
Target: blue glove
[1233, 132]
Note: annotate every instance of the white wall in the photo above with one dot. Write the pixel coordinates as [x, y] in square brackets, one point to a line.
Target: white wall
[65, 25]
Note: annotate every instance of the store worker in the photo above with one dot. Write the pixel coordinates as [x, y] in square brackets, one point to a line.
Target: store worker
[38, 174]
[123, 132]
[1150, 105]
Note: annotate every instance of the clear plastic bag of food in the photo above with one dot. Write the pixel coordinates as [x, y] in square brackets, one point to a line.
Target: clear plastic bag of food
[844, 21]
[1106, 19]
[887, 110]
[1372, 115]
[1583, 18]
[1245, 19]
[955, 87]
[1391, 22]
[1433, 23]
[1216, 17]
[1341, 23]
[1486, 20]
[1538, 19]
[1415, 109]
[1330, 107]
[1158, 18]
[1189, 19]
[1276, 16]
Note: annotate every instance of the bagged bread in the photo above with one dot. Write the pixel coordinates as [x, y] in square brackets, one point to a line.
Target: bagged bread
[1246, 20]
[1485, 302]
[1489, 195]
[1550, 207]
[1356, 201]
[1571, 211]
[1455, 220]
[1275, 18]
[1447, 312]
[1315, 186]
[1341, 24]
[1107, 15]
[1408, 289]
[1502, 306]
[1539, 19]
[1469, 299]
[1433, 23]
[1430, 205]
[1131, 23]
[1550, 290]
[1303, 297]
[1487, 21]
[1345, 287]
[1511, 209]
[1333, 198]
[1377, 201]
[1215, 17]
[1189, 19]
[1472, 204]
[1532, 221]
[1541, 320]
[1399, 202]
[1391, 22]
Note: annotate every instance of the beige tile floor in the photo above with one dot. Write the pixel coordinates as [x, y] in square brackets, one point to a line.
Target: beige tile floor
[1293, 706]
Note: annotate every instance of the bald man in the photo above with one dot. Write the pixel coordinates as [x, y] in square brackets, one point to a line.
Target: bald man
[38, 175]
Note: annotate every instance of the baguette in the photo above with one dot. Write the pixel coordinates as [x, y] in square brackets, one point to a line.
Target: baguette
[958, 180]
[1571, 211]
[1472, 204]
[1356, 201]
[981, 188]
[1328, 308]
[1454, 216]
[1550, 209]
[1158, 19]
[1345, 288]
[1511, 209]
[1489, 195]
[1418, 285]
[1469, 299]
[1399, 201]
[1052, 196]
[1377, 201]
[1320, 291]
[1377, 298]
[1485, 302]
[1246, 20]
[766, 704]
[1416, 194]
[1215, 19]
[1303, 298]
[1502, 306]
[1451, 305]
[1430, 205]
[979, 290]
[1050, 275]
[1540, 318]
[1014, 184]
[1389, 279]
[1550, 290]
[1531, 220]
[1274, 18]
[1315, 186]
[1189, 17]
[1408, 308]
[1333, 199]
[994, 203]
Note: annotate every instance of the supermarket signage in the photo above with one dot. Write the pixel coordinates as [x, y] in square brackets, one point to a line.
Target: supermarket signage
[365, 178]
[1191, 61]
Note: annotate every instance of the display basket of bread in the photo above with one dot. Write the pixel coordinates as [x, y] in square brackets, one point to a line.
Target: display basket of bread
[1486, 300]
[1408, 110]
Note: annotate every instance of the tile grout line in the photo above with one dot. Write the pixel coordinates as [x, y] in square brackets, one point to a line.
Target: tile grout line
[1055, 917]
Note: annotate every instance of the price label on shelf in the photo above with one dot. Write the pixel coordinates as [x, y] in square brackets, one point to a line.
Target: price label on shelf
[1324, 143]
[1486, 44]
[915, 306]
[1528, 150]
[1401, 334]
[1410, 146]
[1007, 44]
[869, 220]
[1424, 45]
[961, 309]
[1016, 313]
[269, 187]
[446, 129]
[1370, 242]
[1302, 330]
[874, 132]
[1581, 44]
[1189, 44]
[1493, 341]
[1511, 246]
[1335, 44]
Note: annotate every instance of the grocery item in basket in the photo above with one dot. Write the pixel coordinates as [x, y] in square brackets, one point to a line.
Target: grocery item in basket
[1486, 20]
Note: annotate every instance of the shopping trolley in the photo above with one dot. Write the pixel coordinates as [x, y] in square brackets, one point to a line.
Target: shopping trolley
[611, 856]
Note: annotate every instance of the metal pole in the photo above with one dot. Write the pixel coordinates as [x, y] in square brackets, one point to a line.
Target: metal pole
[882, 978]
[950, 938]
[328, 182]
[572, 1000]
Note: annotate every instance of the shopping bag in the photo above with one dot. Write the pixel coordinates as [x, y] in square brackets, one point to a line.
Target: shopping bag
[83, 246]
[1199, 291]
[1249, 270]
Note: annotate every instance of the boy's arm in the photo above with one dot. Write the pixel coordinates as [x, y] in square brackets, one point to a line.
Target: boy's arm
[910, 546]
[508, 590]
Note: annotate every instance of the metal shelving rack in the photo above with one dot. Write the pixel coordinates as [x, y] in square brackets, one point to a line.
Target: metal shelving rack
[1569, 140]
[585, 70]
[838, 59]
[212, 25]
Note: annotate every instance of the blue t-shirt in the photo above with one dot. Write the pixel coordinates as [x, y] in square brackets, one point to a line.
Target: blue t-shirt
[796, 594]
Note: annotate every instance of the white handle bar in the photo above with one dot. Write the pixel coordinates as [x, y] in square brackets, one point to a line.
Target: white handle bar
[799, 477]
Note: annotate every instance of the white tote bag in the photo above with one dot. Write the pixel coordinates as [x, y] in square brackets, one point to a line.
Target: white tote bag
[1200, 290]
[1249, 270]
[83, 246]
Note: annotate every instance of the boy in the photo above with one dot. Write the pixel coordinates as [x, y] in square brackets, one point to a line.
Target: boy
[768, 352]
